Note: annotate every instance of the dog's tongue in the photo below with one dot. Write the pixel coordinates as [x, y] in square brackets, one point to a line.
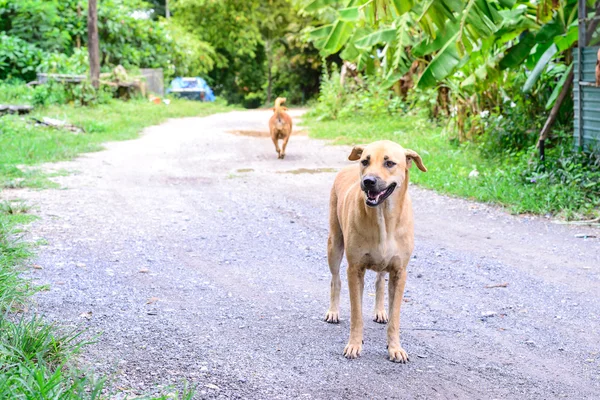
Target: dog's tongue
[373, 195]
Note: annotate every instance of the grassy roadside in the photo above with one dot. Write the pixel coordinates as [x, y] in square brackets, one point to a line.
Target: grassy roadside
[38, 359]
[35, 357]
[509, 180]
[24, 143]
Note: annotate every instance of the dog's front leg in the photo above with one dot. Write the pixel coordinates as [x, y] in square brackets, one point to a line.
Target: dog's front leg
[356, 284]
[396, 284]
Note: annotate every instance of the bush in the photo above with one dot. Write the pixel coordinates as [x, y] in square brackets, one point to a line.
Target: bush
[18, 58]
[51, 35]
[572, 178]
[55, 93]
[368, 96]
[60, 63]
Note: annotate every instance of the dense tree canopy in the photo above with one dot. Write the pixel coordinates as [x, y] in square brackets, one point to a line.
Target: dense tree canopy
[477, 48]
[258, 46]
[38, 30]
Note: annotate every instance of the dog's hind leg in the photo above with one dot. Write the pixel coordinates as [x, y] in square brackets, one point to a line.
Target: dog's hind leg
[276, 143]
[396, 285]
[335, 252]
[284, 145]
[380, 314]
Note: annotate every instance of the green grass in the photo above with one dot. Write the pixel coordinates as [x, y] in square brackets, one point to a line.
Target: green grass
[14, 290]
[24, 144]
[507, 180]
[35, 357]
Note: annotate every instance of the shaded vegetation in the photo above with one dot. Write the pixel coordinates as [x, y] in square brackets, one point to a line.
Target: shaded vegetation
[490, 168]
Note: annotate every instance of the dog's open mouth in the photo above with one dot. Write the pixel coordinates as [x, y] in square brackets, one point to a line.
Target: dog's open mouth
[375, 198]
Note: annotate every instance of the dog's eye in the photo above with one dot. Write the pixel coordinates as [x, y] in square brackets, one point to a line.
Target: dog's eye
[389, 164]
[365, 162]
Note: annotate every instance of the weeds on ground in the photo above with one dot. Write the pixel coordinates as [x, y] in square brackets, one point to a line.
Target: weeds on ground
[35, 356]
[14, 290]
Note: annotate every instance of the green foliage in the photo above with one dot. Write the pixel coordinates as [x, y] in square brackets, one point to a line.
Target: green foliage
[571, 179]
[55, 93]
[332, 97]
[18, 58]
[34, 356]
[189, 56]
[513, 122]
[210, 19]
[473, 47]
[61, 63]
[13, 289]
[239, 55]
[262, 51]
[51, 35]
[263, 48]
[568, 185]
[295, 63]
[130, 41]
[369, 96]
[51, 25]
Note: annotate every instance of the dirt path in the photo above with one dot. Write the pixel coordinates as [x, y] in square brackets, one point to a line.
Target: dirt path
[233, 244]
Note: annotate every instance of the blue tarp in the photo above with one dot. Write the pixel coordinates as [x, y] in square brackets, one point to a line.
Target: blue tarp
[191, 88]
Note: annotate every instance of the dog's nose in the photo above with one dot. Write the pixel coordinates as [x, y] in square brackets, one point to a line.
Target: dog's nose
[369, 182]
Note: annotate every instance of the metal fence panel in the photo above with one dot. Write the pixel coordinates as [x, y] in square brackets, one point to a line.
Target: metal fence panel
[587, 112]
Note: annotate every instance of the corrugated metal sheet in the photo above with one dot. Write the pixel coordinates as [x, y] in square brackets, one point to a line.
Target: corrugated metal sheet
[584, 87]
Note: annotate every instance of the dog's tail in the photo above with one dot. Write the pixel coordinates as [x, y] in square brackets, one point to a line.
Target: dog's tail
[278, 107]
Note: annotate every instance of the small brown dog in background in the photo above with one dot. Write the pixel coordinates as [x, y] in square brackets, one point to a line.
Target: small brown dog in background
[280, 126]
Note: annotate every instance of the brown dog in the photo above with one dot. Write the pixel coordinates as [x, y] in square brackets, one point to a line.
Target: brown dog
[370, 217]
[280, 126]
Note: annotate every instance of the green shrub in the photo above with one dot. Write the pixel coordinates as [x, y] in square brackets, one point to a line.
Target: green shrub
[61, 63]
[51, 35]
[368, 96]
[571, 178]
[18, 58]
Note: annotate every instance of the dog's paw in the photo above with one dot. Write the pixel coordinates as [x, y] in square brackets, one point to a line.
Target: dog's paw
[282, 156]
[397, 354]
[380, 317]
[352, 350]
[333, 317]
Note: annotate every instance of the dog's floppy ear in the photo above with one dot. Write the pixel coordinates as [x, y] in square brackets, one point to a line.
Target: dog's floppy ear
[412, 155]
[356, 152]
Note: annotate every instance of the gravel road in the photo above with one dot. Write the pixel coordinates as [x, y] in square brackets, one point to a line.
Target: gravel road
[202, 257]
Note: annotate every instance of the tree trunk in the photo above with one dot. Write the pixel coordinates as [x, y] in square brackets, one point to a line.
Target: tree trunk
[167, 13]
[93, 48]
[554, 112]
[78, 38]
[269, 75]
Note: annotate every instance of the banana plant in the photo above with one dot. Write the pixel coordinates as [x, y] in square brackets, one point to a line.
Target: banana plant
[447, 35]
